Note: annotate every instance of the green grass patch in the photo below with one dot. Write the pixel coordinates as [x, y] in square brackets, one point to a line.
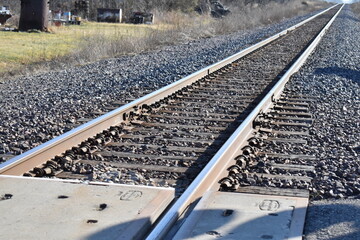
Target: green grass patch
[22, 48]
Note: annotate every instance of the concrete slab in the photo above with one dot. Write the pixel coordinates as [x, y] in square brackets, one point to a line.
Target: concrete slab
[227, 215]
[55, 209]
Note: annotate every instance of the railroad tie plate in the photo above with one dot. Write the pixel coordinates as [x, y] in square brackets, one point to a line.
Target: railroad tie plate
[229, 215]
[57, 209]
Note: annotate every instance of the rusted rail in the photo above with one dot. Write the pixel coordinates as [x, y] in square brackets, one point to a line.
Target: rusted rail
[25, 162]
[208, 179]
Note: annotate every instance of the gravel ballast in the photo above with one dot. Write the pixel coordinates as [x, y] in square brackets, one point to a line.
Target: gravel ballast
[332, 74]
[34, 109]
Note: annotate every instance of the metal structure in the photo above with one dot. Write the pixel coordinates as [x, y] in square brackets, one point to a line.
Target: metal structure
[34, 15]
[207, 179]
[109, 15]
[25, 162]
[141, 18]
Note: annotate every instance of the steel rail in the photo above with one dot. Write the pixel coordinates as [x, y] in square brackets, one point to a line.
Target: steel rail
[38, 155]
[216, 168]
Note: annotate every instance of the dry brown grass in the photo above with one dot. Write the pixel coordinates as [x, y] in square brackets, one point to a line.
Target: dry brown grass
[242, 17]
[100, 46]
[171, 28]
[254, 15]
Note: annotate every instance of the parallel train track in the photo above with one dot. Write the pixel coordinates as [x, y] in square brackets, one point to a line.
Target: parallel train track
[209, 131]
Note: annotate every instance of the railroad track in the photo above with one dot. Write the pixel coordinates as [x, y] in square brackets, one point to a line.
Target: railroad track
[229, 127]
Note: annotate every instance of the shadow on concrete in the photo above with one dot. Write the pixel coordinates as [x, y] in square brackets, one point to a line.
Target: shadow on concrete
[328, 221]
[334, 221]
[136, 229]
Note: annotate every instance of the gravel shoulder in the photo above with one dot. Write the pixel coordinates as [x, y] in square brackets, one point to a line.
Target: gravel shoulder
[34, 109]
[333, 219]
[332, 74]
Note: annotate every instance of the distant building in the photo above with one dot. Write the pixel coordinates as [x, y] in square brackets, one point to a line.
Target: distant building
[109, 15]
[4, 14]
[5, 10]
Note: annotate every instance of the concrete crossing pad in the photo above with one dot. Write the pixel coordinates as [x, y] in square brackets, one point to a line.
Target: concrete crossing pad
[229, 215]
[56, 209]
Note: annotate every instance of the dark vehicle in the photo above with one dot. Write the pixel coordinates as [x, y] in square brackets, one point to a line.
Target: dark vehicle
[141, 18]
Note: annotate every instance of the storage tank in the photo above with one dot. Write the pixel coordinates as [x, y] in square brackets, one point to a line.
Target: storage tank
[67, 16]
[34, 15]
